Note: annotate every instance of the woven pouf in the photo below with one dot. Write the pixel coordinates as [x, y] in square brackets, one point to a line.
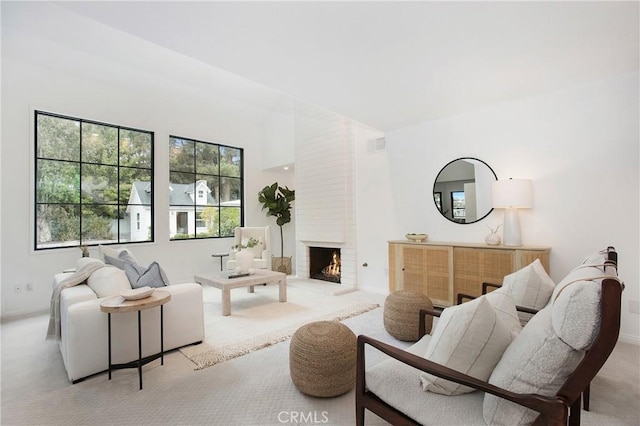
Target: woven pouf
[322, 359]
[401, 314]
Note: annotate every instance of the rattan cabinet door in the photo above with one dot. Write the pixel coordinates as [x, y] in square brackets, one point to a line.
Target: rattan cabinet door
[422, 269]
[473, 266]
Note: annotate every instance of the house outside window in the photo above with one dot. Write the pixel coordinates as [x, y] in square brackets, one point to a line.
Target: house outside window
[205, 190]
[84, 173]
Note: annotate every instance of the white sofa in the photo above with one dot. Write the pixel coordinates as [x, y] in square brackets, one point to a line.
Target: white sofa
[84, 328]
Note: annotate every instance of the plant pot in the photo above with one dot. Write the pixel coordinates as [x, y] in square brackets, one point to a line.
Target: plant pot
[281, 264]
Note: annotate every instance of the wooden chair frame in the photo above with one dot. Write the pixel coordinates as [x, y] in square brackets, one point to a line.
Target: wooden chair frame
[554, 410]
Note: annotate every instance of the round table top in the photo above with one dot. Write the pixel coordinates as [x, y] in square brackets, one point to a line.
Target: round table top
[220, 254]
[118, 304]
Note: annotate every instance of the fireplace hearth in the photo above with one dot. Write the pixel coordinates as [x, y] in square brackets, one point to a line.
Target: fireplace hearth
[324, 264]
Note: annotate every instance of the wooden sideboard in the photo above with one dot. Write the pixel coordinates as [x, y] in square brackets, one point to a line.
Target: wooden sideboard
[441, 270]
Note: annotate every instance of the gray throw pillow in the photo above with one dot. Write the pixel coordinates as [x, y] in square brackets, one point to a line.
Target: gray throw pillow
[152, 276]
[119, 261]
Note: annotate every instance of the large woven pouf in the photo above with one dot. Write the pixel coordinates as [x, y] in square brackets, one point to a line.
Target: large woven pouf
[322, 359]
[401, 314]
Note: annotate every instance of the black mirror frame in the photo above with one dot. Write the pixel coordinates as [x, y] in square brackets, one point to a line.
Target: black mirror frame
[436, 181]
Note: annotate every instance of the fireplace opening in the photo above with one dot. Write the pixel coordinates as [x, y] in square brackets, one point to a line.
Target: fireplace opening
[324, 264]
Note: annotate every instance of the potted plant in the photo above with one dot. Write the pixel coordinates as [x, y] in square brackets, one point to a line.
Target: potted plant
[277, 201]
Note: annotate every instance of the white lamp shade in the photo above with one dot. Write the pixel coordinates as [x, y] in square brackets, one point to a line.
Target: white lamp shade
[512, 193]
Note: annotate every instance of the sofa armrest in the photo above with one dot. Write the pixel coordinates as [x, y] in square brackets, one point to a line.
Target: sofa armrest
[76, 294]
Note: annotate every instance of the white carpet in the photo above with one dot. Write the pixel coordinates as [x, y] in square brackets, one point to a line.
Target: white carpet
[254, 389]
[258, 320]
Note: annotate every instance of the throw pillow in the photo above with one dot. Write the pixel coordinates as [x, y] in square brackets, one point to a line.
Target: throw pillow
[468, 338]
[115, 261]
[114, 253]
[152, 276]
[505, 308]
[108, 281]
[537, 361]
[530, 287]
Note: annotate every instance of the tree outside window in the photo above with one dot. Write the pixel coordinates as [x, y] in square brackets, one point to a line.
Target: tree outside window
[205, 193]
[84, 174]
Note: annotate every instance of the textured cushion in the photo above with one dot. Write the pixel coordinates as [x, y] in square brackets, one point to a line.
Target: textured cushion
[576, 306]
[399, 385]
[152, 276]
[537, 361]
[468, 338]
[530, 286]
[108, 281]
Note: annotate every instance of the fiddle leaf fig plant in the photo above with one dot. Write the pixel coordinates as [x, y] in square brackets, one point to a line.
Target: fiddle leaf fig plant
[277, 201]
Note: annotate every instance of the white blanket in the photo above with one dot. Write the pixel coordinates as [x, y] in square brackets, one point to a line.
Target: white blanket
[78, 277]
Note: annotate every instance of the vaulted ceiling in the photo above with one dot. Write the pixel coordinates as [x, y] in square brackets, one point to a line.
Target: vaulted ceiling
[392, 64]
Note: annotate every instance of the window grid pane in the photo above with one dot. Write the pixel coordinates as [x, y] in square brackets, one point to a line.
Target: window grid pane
[205, 189]
[87, 173]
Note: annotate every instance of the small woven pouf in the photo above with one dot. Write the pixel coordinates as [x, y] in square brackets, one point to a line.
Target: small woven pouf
[322, 359]
[401, 314]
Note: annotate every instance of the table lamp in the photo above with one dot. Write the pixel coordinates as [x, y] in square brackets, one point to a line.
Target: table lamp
[511, 195]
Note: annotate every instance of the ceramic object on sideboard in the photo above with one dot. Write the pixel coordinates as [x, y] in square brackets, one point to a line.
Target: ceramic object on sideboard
[493, 239]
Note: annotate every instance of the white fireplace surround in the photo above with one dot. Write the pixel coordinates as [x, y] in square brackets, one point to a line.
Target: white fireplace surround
[325, 181]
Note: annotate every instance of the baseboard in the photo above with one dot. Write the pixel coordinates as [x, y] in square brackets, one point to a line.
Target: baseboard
[22, 314]
[628, 338]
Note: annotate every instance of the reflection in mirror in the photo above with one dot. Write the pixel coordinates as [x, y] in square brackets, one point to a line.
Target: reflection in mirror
[462, 190]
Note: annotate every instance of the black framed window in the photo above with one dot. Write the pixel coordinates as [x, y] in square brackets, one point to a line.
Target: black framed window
[437, 197]
[459, 205]
[93, 182]
[205, 189]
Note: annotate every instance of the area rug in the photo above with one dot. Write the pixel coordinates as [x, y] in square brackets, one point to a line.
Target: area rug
[258, 320]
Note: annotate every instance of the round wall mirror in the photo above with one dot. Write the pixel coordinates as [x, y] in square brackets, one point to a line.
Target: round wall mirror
[462, 190]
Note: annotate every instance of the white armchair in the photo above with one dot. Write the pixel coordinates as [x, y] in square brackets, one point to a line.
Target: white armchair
[261, 251]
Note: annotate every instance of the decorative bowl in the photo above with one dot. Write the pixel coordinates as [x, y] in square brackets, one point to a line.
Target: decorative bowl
[137, 293]
[417, 237]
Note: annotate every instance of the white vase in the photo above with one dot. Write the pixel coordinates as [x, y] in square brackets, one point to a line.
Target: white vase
[244, 260]
[492, 239]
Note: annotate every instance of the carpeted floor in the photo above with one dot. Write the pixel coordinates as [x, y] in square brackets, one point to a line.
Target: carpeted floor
[254, 389]
[258, 320]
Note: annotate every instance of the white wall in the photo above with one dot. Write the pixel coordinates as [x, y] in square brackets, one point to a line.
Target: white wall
[580, 147]
[39, 73]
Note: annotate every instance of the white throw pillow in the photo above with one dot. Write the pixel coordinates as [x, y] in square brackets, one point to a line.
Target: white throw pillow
[468, 338]
[530, 287]
[505, 308]
[537, 361]
[108, 281]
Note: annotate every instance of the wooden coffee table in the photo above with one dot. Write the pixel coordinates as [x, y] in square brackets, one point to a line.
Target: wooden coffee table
[260, 276]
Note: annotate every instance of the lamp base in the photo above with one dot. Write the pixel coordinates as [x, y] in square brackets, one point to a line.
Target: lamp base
[511, 229]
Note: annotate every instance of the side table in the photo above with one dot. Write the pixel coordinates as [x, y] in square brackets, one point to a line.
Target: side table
[220, 255]
[118, 305]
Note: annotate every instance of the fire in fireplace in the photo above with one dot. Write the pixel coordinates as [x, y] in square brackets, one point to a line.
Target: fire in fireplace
[324, 264]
